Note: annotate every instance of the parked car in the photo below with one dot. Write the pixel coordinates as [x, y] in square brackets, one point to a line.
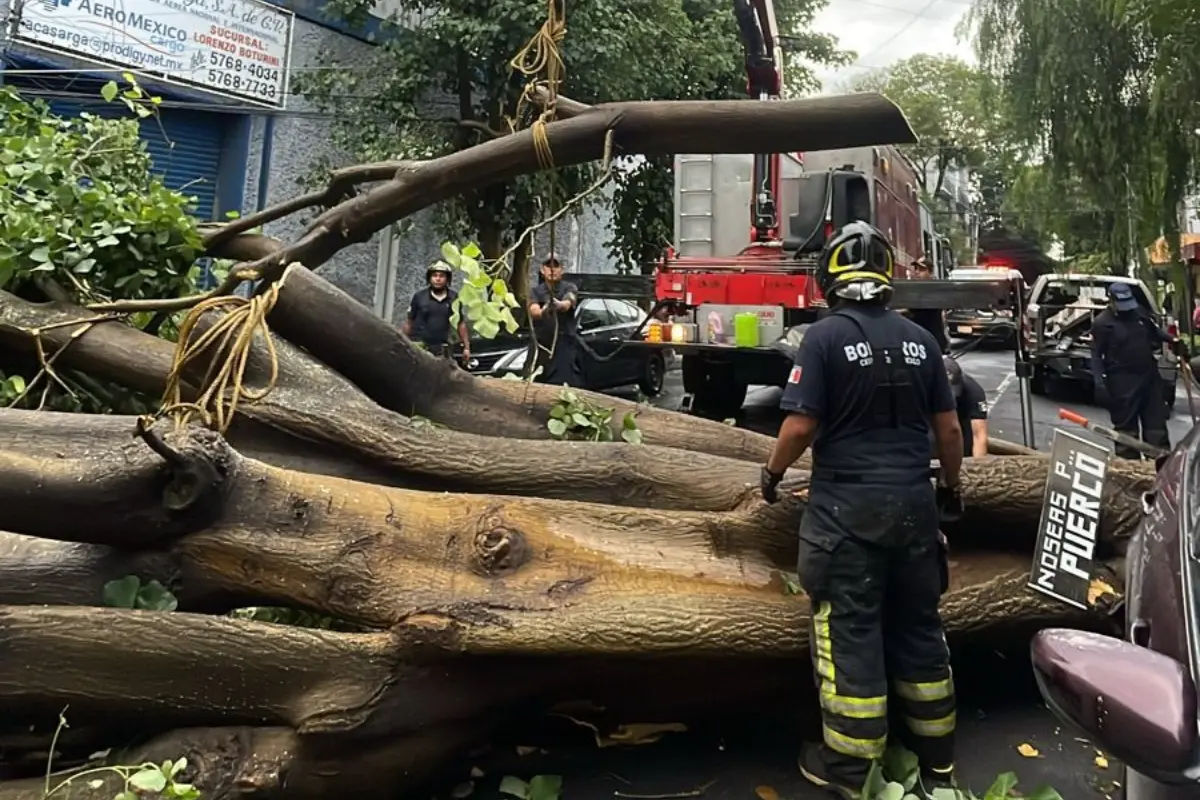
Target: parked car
[603, 324]
[1137, 698]
[1057, 329]
[980, 323]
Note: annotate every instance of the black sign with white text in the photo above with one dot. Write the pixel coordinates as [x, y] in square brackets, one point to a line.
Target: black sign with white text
[1064, 556]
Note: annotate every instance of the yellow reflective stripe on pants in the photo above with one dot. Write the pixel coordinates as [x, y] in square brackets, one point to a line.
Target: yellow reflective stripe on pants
[847, 745]
[853, 707]
[932, 728]
[823, 646]
[924, 692]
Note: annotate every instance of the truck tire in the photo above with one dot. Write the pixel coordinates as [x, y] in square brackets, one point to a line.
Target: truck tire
[714, 388]
[1037, 382]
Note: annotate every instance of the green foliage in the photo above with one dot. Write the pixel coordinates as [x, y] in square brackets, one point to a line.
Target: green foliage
[484, 297]
[895, 778]
[165, 780]
[539, 787]
[395, 105]
[295, 617]
[131, 592]
[1103, 94]
[78, 203]
[576, 419]
[942, 97]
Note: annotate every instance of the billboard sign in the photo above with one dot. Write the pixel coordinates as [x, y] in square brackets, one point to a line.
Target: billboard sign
[238, 48]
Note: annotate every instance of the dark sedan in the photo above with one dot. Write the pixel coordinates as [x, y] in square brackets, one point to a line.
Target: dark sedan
[603, 325]
[1137, 698]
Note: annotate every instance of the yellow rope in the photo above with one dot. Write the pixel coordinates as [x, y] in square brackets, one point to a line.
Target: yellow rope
[540, 54]
[233, 336]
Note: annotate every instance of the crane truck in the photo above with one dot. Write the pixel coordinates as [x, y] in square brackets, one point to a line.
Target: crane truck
[723, 269]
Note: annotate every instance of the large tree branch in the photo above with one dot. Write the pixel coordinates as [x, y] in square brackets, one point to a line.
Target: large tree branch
[648, 128]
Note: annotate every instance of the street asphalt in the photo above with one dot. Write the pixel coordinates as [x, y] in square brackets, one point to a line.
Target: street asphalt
[1003, 726]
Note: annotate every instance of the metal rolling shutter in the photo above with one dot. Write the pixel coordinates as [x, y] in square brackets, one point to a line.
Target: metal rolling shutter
[185, 148]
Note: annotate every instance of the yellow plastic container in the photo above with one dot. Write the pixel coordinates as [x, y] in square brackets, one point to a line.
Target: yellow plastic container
[745, 329]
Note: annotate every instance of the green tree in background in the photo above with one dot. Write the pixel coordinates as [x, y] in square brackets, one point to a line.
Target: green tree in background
[443, 83]
[1103, 93]
[943, 100]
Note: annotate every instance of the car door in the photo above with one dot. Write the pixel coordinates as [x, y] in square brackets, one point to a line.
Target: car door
[627, 365]
[595, 329]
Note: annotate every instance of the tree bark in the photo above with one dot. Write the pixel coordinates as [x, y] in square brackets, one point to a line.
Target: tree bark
[382, 362]
[648, 128]
[486, 574]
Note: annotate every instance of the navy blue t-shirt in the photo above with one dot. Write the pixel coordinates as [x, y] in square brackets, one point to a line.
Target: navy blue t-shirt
[841, 377]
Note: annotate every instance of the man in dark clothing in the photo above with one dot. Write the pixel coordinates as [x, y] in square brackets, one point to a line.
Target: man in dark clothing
[552, 307]
[931, 319]
[866, 390]
[1125, 342]
[429, 314]
[971, 405]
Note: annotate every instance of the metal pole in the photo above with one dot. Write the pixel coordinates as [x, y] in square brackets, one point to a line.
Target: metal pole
[1022, 367]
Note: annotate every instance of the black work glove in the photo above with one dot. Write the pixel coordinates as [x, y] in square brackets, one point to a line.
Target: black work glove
[950, 503]
[1179, 347]
[768, 481]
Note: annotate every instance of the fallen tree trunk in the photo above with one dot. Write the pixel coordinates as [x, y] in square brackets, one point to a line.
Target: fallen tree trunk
[474, 573]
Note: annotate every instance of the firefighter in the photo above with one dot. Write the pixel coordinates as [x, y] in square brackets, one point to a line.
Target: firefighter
[552, 307]
[429, 313]
[971, 405]
[1124, 365]
[866, 389]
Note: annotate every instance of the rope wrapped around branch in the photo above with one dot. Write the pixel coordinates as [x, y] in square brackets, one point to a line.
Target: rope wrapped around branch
[227, 346]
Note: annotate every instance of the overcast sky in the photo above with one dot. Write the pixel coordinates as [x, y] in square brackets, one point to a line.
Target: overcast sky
[885, 31]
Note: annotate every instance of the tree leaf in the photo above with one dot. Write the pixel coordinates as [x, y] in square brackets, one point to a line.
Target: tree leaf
[451, 254]
[581, 421]
[1002, 786]
[629, 422]
[122, 592]
[109, 91]
[1044, 793]
[514, 787]
[545, 787]
[556, 427]
[892, 791]
[149, 779]
[40, 255]
[153, 596]
[632, 436]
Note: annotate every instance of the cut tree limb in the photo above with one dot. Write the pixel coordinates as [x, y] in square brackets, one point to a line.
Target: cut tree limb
[380, 360]
[649, 128]
[488, 574]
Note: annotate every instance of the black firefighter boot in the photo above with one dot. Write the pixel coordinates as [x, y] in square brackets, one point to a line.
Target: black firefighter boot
[817, 771]
[937, 778]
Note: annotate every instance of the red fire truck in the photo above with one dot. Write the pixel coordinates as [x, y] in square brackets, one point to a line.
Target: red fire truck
[723, 269]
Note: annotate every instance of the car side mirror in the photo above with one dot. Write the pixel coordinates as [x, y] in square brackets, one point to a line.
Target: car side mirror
[1137, 704]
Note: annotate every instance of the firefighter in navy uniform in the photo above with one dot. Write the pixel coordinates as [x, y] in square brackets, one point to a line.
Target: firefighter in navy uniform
[552, 307]
[1124, 343]
[867, 387]
[429, 313]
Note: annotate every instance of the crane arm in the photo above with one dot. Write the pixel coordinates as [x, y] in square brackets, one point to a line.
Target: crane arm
[764, 81]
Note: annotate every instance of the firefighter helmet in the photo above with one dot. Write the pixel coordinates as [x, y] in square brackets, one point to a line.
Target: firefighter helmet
[856, 263]
[439, 266]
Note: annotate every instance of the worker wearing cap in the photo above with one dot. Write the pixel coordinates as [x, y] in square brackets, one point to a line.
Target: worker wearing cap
[931, 319]
[1125, 341]
[429, 313]
[552, 308]
[866, 389]
[971, 405]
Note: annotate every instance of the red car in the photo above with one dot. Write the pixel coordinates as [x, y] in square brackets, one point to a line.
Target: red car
[1137, 698]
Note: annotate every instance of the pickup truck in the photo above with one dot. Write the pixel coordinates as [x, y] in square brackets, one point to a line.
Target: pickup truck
[989, 325]
[1057, 329]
